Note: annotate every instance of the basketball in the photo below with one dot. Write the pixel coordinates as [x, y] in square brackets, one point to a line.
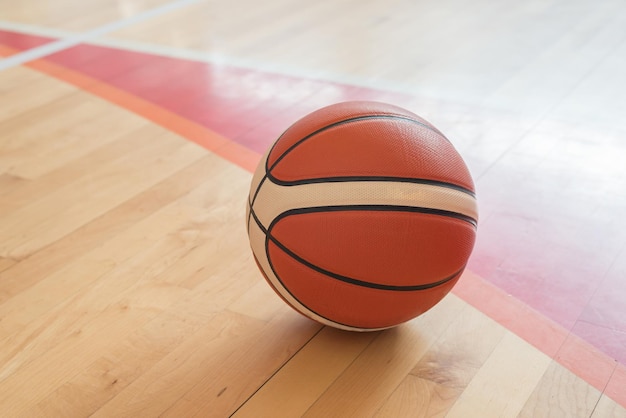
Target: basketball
[362, 216]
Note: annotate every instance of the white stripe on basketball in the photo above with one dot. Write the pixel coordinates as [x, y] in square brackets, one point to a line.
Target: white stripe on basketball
[273, 199]
[259, 174]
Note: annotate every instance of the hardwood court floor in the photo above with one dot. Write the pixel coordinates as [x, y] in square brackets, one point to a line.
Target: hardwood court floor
[128, 131]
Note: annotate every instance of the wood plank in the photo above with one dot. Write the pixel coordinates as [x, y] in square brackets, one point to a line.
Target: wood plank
[417, 397]
[364, 386]
[30, 95]
[33, 227]
[260, 302]
[177, 222]
[101, 381]
[560, 393]
[9, 182]
[543, 81]
[46, 128]
[197, 315]
[6, 263]
[17, 77]
[19, 192]
[505, 381]
[214, 370]
[195, 17]
[85, 239]
[86, 127]
[77, 16]
[447, 368]
[607, 408]
[307, 375]
[129, 292]
[82, 309]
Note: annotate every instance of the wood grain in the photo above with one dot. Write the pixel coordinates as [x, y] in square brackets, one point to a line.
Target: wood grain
[561, 394]
[504, 382]
[607, 408]
[364, 386]
[447, 367]
[307, 375]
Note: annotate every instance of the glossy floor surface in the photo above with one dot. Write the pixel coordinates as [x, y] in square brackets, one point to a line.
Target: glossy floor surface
[532, 95]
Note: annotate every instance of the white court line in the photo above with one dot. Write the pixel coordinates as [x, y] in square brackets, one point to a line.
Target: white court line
[215, 58]
[67, 42]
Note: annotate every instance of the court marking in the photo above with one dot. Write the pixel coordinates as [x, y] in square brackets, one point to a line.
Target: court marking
[572, 352]
[75, 39]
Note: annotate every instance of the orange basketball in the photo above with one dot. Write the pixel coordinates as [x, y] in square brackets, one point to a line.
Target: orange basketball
[362, 216]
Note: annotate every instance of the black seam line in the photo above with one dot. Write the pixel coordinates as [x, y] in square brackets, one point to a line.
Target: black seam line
[280, 368]
[346, 179]
[362, 283]
[274, 146]
[342, 122]
[258, 222]
[376, 208]
[250, 210]
[250, 215]
[282, 285]
[258, 189]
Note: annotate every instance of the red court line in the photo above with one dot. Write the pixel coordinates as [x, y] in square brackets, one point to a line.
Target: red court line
[616, 389]
[580, 357]
[572, 352]
[5, 51]
[19, 42]
[208, 139]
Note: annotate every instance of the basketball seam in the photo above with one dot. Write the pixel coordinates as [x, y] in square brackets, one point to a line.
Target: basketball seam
[268, 235]
[346, 279]
[273, 286]
[376, 208]
[303, 309]
[361, 283]
[268, 169]
[269, 238]
[366, 178]
[256, 193]
[258, 222]
[282, 285]
[346, 179]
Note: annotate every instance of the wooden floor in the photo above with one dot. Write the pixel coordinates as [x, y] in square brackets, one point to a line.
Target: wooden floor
[127, 287]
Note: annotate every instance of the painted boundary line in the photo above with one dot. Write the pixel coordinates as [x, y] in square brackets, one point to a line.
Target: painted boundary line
[77, 38]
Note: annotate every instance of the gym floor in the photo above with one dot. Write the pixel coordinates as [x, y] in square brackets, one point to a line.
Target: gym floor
[128, 133]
